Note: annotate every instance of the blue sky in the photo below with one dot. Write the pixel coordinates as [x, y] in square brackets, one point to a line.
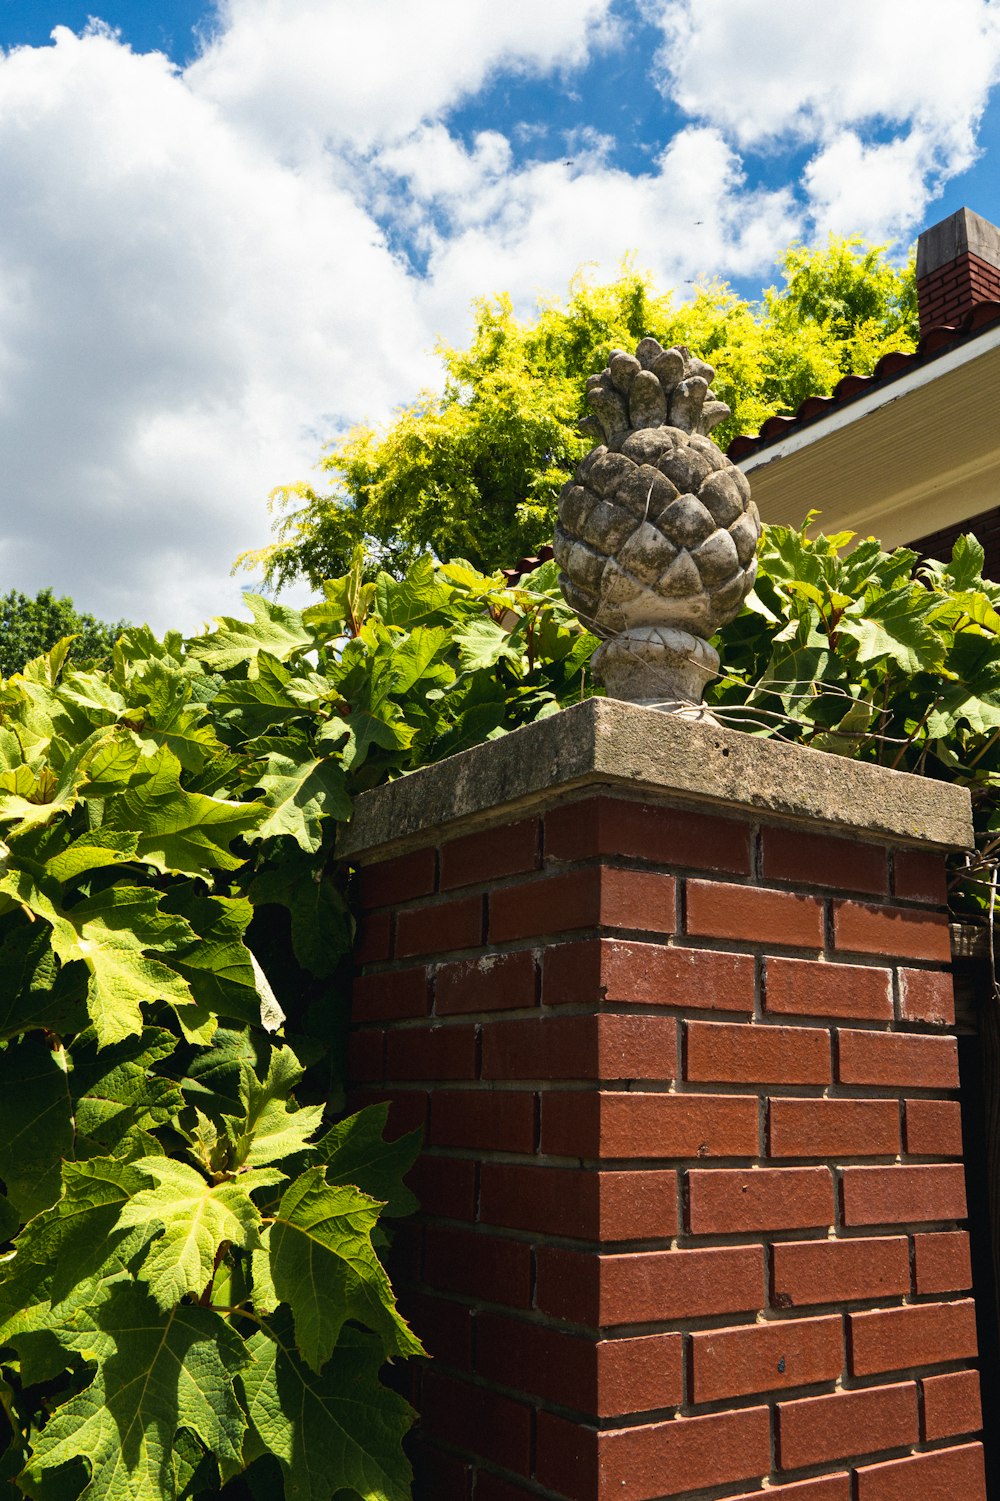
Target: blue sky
[228, 233]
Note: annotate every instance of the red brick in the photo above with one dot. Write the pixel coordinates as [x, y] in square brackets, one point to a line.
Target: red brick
[366, 1056]
[431, 1053]
[483, 1120]
[839, 1271]
[484, 1267]
[825, 1488]
[493, 982]
[439, 928]
[816, 1430]
[445, 1186]
[579, 1202]
[926, 995]
[628, 1124]
[725, 1201]
[766, 1357]
[647, 974]
[897, 1339]
[897, 1061]
[477, 1420]
[717, 909]
[833, 1128]
[407, 1107]
[942, 1263]
[817, 860]
[639, 1287]
[646, 831]
[590, 897]
[605, 1046]
[653, 1459]
[604, 1378]
[734, 1053]
[444, 1327]
[945, 1475]
[934, 1128]
[952, 1405]
[490, 854]
[397, 880]
[903, 1195]
[804, 987]
[864, 928]
[390, 996]
[920, 876]
[374, 940]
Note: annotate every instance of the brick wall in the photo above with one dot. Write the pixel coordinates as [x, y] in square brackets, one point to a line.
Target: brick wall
[948, 294]
[692, 1190]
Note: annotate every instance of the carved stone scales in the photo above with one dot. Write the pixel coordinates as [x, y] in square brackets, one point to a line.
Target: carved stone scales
[657, 534]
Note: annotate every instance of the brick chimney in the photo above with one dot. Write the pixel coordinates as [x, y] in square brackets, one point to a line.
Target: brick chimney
[958, 265]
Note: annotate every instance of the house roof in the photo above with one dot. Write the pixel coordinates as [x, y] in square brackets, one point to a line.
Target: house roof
[891, 367]
[911, 449]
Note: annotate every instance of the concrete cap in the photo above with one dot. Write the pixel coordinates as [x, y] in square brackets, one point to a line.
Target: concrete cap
[603, 742]
[962, 233]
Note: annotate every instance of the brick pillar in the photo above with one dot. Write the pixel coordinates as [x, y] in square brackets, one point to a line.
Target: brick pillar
[671, 1004]
[958, 265]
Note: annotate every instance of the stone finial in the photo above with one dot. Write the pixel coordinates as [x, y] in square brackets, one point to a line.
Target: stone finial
[657, 534]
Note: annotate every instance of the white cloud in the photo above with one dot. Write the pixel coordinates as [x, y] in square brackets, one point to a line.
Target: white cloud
[841, 77]
[178, 312]
[525, 231]
[307, 71]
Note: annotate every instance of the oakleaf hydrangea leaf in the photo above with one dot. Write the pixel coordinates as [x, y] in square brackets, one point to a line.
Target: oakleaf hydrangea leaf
[275, 628]
[198, 1218]
[272, 1127]
[298, 795]
[341, 1430]
[324, 1266]
[158, 1373]
[179, 831]
[355, 1153]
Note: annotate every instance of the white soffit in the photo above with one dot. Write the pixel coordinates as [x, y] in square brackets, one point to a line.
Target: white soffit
[916, 454]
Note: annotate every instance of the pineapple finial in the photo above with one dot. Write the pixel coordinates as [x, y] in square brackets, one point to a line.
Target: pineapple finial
[657, 534]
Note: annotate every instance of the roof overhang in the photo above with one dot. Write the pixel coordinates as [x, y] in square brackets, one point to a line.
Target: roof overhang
[910, 457]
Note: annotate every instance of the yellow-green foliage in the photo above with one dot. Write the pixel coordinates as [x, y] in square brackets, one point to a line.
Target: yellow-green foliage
[475, 470]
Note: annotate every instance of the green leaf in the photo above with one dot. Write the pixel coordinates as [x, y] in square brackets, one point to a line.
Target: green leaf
[158, 1373]
[323, 1265]
[36, 1124]
[339, 1431]
[365, 728]
[274, 629]
[355, 1153]
[111, 933]
[298, 795]
[197, 1218]
[115, 1091]
[414, 599]
[217, 964]
[179, 831]
[482, 644]
[91, 851]
[967, 560]
[895, 625]
[271, 1126]
[35, 992]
